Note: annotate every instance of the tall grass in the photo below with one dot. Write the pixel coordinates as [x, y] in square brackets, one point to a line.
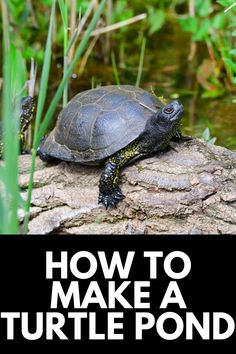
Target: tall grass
[13, 76]
[9, 190]
[49, 114]
[64, 14]
[41, 102]
[114, 68]
[141, 60]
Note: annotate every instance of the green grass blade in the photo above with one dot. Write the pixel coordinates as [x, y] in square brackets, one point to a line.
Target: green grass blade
[10, 137]
[64, 14]
[92, 82]
[114, 67]
[45, 73]
[55, 101]
[81, 25]
[63, 9]
[141, 60]
[2, 209]
[41, 101]
[1, 214]
[18, 70]
[79, 51]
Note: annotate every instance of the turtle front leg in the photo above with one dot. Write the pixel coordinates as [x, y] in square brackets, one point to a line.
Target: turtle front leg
[109, 191]
[23, 149]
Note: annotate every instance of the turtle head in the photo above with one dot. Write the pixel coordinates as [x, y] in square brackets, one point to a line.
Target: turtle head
[27, 108]
[163, 125]
[170, 114]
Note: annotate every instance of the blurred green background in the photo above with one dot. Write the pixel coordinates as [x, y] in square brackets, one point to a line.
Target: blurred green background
[189, 53]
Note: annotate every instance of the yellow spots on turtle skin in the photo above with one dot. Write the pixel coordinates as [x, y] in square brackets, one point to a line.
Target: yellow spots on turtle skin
[129, 152]
[24, 123]
[110, 176]
[25, 120]
[115, 180]
[22, 137]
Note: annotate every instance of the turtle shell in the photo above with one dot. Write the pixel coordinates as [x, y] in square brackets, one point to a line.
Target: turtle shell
[97, 123]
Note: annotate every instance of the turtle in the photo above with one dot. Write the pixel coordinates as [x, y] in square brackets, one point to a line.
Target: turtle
[111, 125]
[27, 107]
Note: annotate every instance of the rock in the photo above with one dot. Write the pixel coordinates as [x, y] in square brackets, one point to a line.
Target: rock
[190, 189]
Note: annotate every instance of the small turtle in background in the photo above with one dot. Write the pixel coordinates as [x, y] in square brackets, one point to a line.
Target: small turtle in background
[111, 125]
[27, 107]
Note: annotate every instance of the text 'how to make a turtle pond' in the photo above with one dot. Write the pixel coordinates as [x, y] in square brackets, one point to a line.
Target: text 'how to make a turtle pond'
[98, 296]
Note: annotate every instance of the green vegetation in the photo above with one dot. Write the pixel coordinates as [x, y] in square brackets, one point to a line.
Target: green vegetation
[207, 136]
[46, 42]
[9, 173]
[208, 24]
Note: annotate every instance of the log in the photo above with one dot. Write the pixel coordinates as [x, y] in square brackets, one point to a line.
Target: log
[189, 189]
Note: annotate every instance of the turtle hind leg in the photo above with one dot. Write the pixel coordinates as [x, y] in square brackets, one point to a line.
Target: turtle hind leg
[111, 198]
[42, 154]
[109, 191]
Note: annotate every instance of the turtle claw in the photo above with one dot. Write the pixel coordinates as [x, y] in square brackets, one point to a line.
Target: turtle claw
[111, 199]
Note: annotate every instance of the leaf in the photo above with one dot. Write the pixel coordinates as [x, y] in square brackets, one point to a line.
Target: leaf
[63, 9]
[219, 21]
[1, 214]
[18, 70]
[225, 3]
[202, 32]
[156, 20]
[121, 12]
[189, 24]
[21, 202]
[212, 140]
[213, 94]
[232, 51]
[234, 101]
[230, 63]
[203, 7]
[47, 2]
[206, 134]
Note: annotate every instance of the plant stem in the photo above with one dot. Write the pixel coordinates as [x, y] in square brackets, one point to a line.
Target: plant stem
[114, 67]
[81, 25]
[230, 7]
[72, 27]
[141, 59]
[41, 101]
[10, 137]
[118, 25]
[56, 98]
[64, 14]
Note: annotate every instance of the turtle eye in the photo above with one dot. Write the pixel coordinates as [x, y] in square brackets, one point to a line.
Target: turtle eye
[168, 110]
